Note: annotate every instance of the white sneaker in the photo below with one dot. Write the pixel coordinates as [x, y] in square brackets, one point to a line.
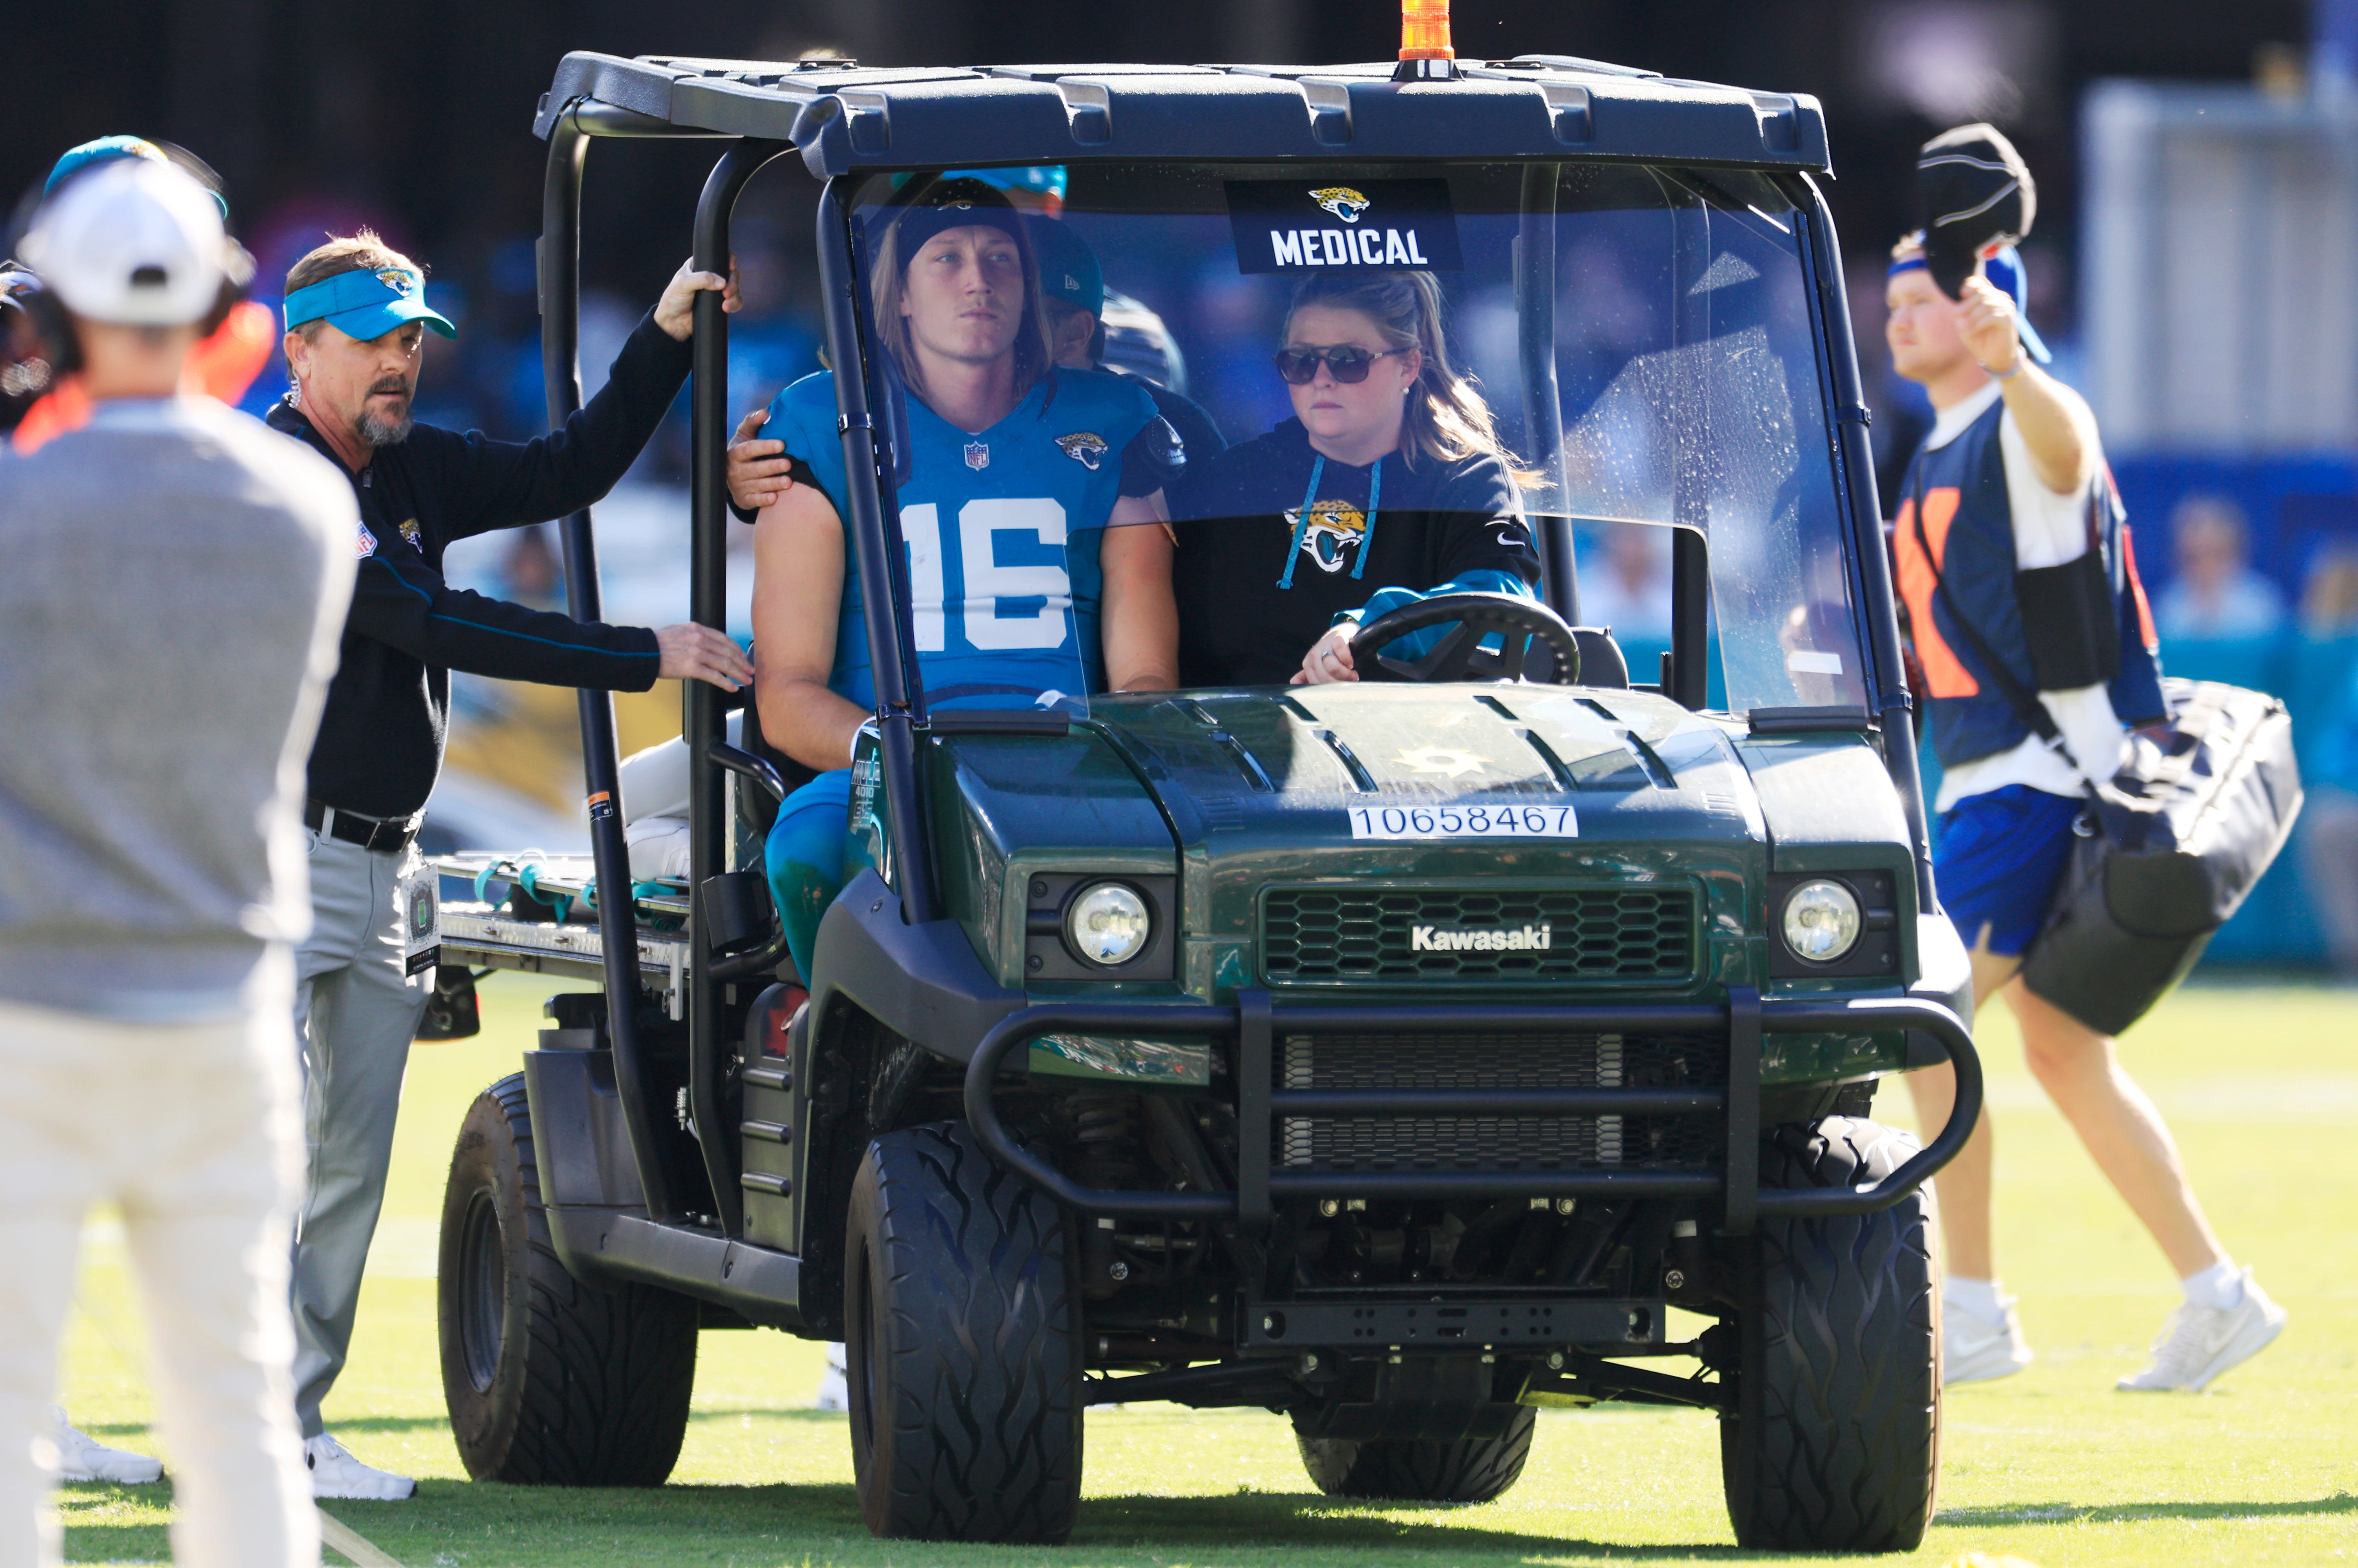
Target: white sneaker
[2199, 1343]
[834, 1392]
[81, 1457]
[1976, 1348]
[336, 1474]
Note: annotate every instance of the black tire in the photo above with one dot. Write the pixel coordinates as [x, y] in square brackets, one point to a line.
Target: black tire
[1429, 1470]
[549, 1381]
[960, 1333]
[1834, 1444]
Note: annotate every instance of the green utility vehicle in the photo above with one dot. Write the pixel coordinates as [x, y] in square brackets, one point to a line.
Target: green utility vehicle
[1398, 1056]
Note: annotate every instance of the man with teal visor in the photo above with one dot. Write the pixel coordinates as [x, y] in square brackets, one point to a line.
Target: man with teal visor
[365, 305]
[356, 323]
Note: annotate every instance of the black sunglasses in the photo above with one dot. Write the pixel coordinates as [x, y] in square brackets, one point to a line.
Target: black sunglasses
[1350, 365]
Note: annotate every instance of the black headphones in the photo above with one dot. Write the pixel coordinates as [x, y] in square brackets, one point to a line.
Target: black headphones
[52, 328]
[42, 349]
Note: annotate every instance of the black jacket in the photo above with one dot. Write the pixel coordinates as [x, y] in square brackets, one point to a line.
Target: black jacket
[1235, 516]
[381, 737]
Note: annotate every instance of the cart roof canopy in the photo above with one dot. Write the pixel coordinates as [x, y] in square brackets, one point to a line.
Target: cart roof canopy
[841, 117]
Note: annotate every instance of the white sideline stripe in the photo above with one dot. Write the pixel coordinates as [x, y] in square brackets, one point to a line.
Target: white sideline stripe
[352, 1543]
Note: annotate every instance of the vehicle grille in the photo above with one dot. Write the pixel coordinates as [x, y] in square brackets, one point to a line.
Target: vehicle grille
[1593, 934]
[1500, 1061]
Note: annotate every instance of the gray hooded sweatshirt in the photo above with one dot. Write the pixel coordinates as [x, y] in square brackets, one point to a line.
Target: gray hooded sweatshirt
[173, 581]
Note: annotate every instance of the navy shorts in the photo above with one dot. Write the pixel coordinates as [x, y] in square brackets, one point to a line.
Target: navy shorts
[1999, 857]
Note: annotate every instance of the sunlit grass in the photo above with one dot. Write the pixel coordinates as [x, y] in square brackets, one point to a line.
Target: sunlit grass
[2261, 1084]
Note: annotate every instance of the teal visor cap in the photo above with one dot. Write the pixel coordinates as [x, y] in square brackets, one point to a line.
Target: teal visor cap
[365, 305]
[107, 149]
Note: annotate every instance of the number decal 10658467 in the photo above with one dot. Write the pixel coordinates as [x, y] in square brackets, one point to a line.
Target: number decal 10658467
[1491, 820]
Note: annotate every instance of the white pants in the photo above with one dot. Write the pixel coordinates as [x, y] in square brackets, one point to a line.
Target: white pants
[192, 1129]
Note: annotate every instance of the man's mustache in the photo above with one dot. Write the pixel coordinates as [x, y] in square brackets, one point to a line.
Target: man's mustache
[395, 384]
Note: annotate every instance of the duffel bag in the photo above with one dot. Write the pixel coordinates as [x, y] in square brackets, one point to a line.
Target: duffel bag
[2167, 851]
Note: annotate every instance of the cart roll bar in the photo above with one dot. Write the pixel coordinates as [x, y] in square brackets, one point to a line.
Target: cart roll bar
[560, 323]
[880, 590]
[1855, 479]
[702, 720]
[1253, 1015]
[1535, 287]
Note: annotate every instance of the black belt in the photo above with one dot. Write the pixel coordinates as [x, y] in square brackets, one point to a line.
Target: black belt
[383, 834]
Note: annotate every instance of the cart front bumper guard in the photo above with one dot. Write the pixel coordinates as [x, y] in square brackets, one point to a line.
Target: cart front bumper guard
[1254, 1024]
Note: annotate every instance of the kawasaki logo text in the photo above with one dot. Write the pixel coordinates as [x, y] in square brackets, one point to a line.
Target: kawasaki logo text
[1433, 939]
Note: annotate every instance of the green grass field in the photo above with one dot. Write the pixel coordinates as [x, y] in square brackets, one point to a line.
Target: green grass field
[2261, 1084]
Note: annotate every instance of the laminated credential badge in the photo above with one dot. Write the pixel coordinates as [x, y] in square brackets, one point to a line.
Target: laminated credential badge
[1360, 225]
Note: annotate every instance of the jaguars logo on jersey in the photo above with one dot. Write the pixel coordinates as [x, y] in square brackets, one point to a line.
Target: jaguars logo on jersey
[409, 532]
[1342, 201]
[1085, 448]
[1335, 527]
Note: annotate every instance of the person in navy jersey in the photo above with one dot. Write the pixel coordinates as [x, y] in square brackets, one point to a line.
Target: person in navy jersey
[1388, 486]
[2009, 488]
[1039, 557]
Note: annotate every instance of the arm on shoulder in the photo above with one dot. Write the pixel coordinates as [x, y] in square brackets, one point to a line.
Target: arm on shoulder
[798, 565]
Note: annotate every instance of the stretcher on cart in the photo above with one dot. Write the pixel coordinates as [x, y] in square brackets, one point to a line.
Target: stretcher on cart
[538, 913]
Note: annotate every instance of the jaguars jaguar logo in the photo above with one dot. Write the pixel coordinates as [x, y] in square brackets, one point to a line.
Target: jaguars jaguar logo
[409, 532]
[1342, 201]
[1335, 527]
[1085, 448]
[402, 283]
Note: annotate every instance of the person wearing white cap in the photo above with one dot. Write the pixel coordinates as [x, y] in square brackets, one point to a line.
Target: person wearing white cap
[178, 576]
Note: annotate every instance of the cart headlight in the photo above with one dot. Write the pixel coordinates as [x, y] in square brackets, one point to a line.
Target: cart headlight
[1822, 920]
[1109, 925]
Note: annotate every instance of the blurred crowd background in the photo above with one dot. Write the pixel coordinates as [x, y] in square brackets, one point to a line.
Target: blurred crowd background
[2193, 267]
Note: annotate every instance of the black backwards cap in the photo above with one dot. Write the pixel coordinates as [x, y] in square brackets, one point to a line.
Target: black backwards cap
[1977, 193]
[928, 207]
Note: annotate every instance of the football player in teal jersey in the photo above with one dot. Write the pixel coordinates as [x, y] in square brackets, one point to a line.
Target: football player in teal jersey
[1039, 564]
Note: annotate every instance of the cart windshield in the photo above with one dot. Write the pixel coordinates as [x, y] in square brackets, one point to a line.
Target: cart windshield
[1633, 345]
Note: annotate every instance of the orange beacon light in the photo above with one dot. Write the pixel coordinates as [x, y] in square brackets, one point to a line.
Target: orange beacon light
[1424, 30]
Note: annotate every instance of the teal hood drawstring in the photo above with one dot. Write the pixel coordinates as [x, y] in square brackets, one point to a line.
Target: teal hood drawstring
[1301, 520]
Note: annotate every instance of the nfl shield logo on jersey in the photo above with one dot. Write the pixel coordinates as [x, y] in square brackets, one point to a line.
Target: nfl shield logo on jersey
[978, 455]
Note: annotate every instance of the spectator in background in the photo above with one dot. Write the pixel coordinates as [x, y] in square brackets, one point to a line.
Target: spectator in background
[2329, 601]
[177, 579]
[2216, 594]
[531, 570]
[2329, 822]
[1627, 586]
[2329, 830]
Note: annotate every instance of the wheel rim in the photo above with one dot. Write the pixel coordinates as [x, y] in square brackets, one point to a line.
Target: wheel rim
[483, 1292]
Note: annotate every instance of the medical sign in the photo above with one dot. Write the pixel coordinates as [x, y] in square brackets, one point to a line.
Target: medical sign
[1355, 225]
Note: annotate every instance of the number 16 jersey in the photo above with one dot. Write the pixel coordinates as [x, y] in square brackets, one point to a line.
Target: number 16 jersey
[1002, 529]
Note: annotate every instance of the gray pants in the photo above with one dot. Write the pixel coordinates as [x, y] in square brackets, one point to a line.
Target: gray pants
[355, 1014]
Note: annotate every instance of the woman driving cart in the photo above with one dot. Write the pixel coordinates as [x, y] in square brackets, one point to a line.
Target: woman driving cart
[1389, 474]
[1036, 570]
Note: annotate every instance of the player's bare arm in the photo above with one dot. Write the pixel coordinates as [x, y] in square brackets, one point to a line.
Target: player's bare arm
[797, 589]
[1141, 618]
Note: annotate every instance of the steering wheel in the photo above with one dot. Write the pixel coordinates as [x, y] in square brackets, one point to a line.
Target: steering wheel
[1517, 623]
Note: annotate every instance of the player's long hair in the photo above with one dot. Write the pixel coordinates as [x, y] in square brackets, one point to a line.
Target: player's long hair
[1447, 418]
[887, 274]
